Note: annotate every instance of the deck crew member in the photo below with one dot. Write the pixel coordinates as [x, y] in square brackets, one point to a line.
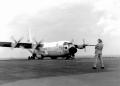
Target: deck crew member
[98, 54]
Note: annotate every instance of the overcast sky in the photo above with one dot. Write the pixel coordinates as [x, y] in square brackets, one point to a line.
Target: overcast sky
[55, 20]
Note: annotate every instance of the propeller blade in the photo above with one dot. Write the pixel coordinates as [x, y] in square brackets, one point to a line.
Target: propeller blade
[15, 42]
[20, 40]
[22, 47]
[37, 44]
[35, 41]
[84, 44]
[40, 41]
[13, 39]
[30, 51]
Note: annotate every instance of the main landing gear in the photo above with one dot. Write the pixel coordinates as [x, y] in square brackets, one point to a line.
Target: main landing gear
[70, 57]
[31, 58]
[34, 56]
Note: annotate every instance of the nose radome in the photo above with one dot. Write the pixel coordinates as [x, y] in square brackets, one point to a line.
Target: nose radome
[73, 50]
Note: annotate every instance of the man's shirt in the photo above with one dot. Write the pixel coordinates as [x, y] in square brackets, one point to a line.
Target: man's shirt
[98, 48]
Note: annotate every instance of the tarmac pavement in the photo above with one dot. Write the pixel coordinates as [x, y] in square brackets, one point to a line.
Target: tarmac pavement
[77, 72]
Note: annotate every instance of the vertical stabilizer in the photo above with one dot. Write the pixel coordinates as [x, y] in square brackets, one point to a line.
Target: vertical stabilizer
[29, 36]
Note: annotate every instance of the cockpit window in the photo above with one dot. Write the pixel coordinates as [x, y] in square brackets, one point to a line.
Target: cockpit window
[69, 43]
[65, 43]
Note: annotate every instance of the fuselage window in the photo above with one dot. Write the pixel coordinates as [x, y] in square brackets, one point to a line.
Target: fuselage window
[65, 47]
[65, 43]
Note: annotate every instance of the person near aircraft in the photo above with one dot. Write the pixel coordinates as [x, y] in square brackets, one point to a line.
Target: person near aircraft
[98, 54]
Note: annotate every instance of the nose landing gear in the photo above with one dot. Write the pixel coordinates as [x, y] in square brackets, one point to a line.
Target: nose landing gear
[72, 52]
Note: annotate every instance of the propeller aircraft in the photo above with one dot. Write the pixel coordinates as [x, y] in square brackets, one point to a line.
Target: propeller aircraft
[40, 50]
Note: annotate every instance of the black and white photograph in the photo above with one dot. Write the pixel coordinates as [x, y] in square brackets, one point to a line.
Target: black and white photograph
[59, 42]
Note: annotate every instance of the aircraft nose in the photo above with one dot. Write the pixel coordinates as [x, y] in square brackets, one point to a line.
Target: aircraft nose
[72, 50]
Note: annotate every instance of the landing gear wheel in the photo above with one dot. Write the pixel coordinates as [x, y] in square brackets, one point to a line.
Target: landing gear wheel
[29, 58]
[64, 58]
[33, 58]
[71, 58]
[41, 58]
[67, 58]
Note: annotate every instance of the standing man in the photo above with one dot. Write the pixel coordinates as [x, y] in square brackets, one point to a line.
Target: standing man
[98, 54]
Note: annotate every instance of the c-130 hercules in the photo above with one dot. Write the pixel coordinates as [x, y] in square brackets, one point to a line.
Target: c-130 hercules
[40, 50]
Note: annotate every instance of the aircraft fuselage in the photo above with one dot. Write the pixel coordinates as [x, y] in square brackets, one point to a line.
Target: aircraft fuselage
[56, 49]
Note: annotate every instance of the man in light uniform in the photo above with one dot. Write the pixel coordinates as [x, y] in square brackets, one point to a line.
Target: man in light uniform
[98, 54]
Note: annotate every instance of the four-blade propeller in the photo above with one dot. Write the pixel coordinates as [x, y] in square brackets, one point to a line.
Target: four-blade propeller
[38, 44]
[15, 42]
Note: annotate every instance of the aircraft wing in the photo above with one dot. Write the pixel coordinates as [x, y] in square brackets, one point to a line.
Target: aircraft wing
[5, 44]
[19, 45]
[24, 45]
